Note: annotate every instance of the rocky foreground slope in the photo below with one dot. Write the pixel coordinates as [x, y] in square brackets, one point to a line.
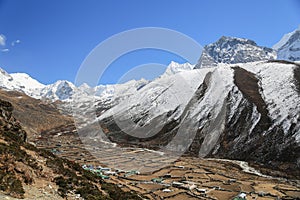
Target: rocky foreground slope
[35, 115]
[31, 173]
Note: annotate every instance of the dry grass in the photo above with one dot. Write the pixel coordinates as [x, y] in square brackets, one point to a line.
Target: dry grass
[23, 164]
[33, 114]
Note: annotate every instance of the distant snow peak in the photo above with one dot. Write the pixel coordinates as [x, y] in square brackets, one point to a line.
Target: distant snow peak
[3, 72]
[84, 86]
[288, 48]
[285, 39]
[174, 68]
[60, 90]
[233, 50]
[20, 82]
[27, 80]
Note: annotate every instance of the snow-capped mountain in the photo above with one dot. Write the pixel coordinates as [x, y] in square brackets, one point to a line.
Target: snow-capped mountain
[233, 50]
[159, 97]
[64, 90]
[288, 48]
[20, 82]
[124, 89]
[174, 68]
[238, 109]
[60, 90]
[246, 112]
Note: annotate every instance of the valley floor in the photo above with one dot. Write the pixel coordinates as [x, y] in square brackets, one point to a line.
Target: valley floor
[167, 177]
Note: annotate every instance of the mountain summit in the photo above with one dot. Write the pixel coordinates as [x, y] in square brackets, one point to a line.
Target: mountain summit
[233, 50]
[174, 68]
[288, 48]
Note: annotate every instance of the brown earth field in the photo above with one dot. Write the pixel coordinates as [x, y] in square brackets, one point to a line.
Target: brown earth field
[176, 178]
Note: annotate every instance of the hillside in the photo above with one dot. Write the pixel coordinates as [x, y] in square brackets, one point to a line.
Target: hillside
[33, 114]
[245, 111]
[31, 173]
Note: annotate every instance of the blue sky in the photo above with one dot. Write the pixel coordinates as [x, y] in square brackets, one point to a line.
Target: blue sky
[55, 36]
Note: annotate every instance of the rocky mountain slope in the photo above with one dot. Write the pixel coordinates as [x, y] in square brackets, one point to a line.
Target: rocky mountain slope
[31, 173]
[233, 50]
[288, 47]
[35, 115]
[245, 112]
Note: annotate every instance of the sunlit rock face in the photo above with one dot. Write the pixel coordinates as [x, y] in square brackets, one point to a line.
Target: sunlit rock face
[233, 50]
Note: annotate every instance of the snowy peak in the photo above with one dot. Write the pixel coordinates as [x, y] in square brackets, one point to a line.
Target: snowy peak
[60, 90]
[225, 42]
[288, 48]
[5, 80]
[27, 80]
[63, 84]
[233, 50]
[285, 39]
[84, 86]
[3, 72]
[174, 68]
[64, 90]
[20, 82]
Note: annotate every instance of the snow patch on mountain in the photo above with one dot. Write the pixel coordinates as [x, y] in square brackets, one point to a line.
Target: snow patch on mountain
[123, 90]
[159, 97]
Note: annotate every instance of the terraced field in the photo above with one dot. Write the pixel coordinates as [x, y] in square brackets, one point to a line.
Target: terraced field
[164, 176]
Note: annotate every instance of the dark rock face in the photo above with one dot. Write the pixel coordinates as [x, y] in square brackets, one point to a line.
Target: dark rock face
[232, 50]
[266, 143]
[9, 123]
[248, 84]
[297, 78]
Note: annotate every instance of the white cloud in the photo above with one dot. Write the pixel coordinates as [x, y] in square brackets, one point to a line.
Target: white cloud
[4, 50]
[15, 42]
[2, 40]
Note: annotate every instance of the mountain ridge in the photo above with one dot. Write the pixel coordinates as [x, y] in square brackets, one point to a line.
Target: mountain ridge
[288, 47]
[239, 109]
[232, 50]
